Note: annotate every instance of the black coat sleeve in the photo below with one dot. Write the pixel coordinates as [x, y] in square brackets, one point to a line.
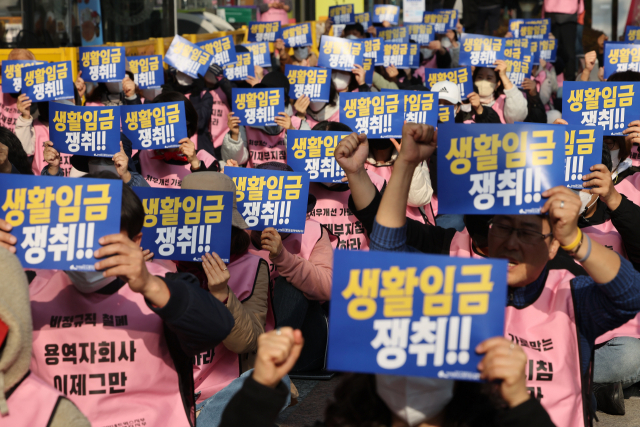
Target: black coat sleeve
[537, 113]
[225, 86]
[254, 405]
[527, 414]
[443, 60]
[199, 321]
[488, 116]
[136, 101]
[624, 219]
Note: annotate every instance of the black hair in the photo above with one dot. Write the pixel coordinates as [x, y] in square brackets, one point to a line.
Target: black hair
[354, 27]
[499, 86]
[624, 76]
[478, 228]
[189, 111]
[606, 157]
[131, 211]
[332, 127]
[17, 155]
[240, 241]
[43, 107]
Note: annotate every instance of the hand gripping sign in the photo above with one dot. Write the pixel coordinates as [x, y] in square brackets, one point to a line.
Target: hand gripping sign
[148, 72]
[154, 126]
[183, 225]
[498, 169]
[59, 221]
[48, 82]
[86, 131]
[268, 198]
[102, 64]
[414, 314]
[312, 152]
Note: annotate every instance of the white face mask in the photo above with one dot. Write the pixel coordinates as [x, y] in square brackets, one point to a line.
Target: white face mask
[426, 53]
[317, 105]
[183, 79]
[88, 281]
[446, 43]
[485, 88]
[585, 200]
[114, 87]
[341, 79]
[414, 399]
[615, 159]
[301, 53]
[351, 37]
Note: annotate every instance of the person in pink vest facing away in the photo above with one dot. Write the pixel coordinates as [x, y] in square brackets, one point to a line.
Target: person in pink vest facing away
[564, 24]
[497, 91]
[168, 167]
[253, 145]
[242, 285]
[332, 202]
[9, 112]
[20, 387]
[301, 267]
[220, 89]
[274, 10]
[554, 315]
[155, 325]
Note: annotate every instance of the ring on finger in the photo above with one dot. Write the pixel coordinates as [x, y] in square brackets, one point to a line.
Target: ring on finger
[561, 204]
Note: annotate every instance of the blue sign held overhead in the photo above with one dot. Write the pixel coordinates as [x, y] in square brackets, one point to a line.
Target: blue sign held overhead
[269, 198]
[148, 72]
[187, 58]
[396, 54]
[263, 31]
[58, 221]
[488, 169]
[260, 53]
[342, 14]
[447, 113]
[459, 76]
[394, 35]
[241, 69]
[340, 54]
[313, 82]
[363, 19]
[12, 74]
[296, 35]
[373, 49]
[439, 21]
[48, 82]
[418, 106]
[481, 51]
[154, 126]
[414, 314]
[102, 64]
[422, 34]
[632, 34]
[377, 114]
[514, 25]
[222, 50]
[183, 225]
[257, 107]
[386, 12]
[583, 149]
[621, 57]
[312, 152]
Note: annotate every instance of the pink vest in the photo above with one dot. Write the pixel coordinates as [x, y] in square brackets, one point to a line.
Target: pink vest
[498, 107]
[332, 211]
[568, 7]
[158, 173]
[432, 209]
[462, 246]
[9, 113]
[335, 117]
[630, 187]
[431, 63]
[160, 267]
[265, 148]
[215, 369]
[42, 135]
[607, 235]
[219, 115]
[385, 173]
[107, 353]
[274, 15]
[546, 330]
[22, 412]
[635, 155]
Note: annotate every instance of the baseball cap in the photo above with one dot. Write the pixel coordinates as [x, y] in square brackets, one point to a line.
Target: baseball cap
[448, 91]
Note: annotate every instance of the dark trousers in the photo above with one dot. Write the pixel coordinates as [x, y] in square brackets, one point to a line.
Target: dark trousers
[566, 35]
[292, 308]
[492, 16]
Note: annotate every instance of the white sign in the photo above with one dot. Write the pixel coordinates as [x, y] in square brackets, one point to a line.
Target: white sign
[413, 10]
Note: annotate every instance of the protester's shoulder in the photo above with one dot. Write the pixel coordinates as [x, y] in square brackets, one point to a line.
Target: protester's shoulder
[186, 278]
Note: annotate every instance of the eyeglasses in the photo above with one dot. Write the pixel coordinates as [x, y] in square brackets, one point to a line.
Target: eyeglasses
[528, 237]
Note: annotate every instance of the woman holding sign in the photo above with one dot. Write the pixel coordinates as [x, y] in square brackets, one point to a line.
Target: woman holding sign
[497, 91]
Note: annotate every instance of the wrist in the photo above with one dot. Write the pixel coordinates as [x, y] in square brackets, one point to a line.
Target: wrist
[155, 291]
[479, 110]
[613, 201]
[220, 292]
[570, 242]
[126, 176]
[6, 167]
[518, 399]
[264, 381]
[195, 164]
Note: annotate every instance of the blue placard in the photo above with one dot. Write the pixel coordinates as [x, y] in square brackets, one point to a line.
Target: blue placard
[386, 12]
[480, 51]
[620, 57]
[148, 72]
[183, 225]
[453, 17]
[48, 82]
[12, 74]
[369, 67]
[422, 34]
[263, 31]
[414, 55]
[102, 64]
[257, 107]
[377, 114]
[396, 54]
[260, 53]
[458, 76]
[394, 35]
[517, 71]
[632, 34]
[548, 49]
[311, 81]
[583, 149]
[535, 52]
[447, 113]
[534, 31]
[414, 314]
[498, 169]
[373, 49]
[154, 126]
[418, 106]
[296, 35]
[439, 21]
[269, 198]
[85, 131]
[514, 24]
[363, 19]
[610, 105]
[222, 50]
[188, 58]
[340, 54]
[518, 53]
[311, 152]
[241, 68]
[58, 221]
[342, 14]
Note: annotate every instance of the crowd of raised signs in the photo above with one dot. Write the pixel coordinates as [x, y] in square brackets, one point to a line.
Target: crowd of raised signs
[184, 237]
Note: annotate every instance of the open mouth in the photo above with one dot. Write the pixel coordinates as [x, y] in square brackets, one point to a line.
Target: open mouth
[512, 264]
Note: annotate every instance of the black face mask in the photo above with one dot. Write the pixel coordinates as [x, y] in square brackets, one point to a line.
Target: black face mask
[380, 144]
